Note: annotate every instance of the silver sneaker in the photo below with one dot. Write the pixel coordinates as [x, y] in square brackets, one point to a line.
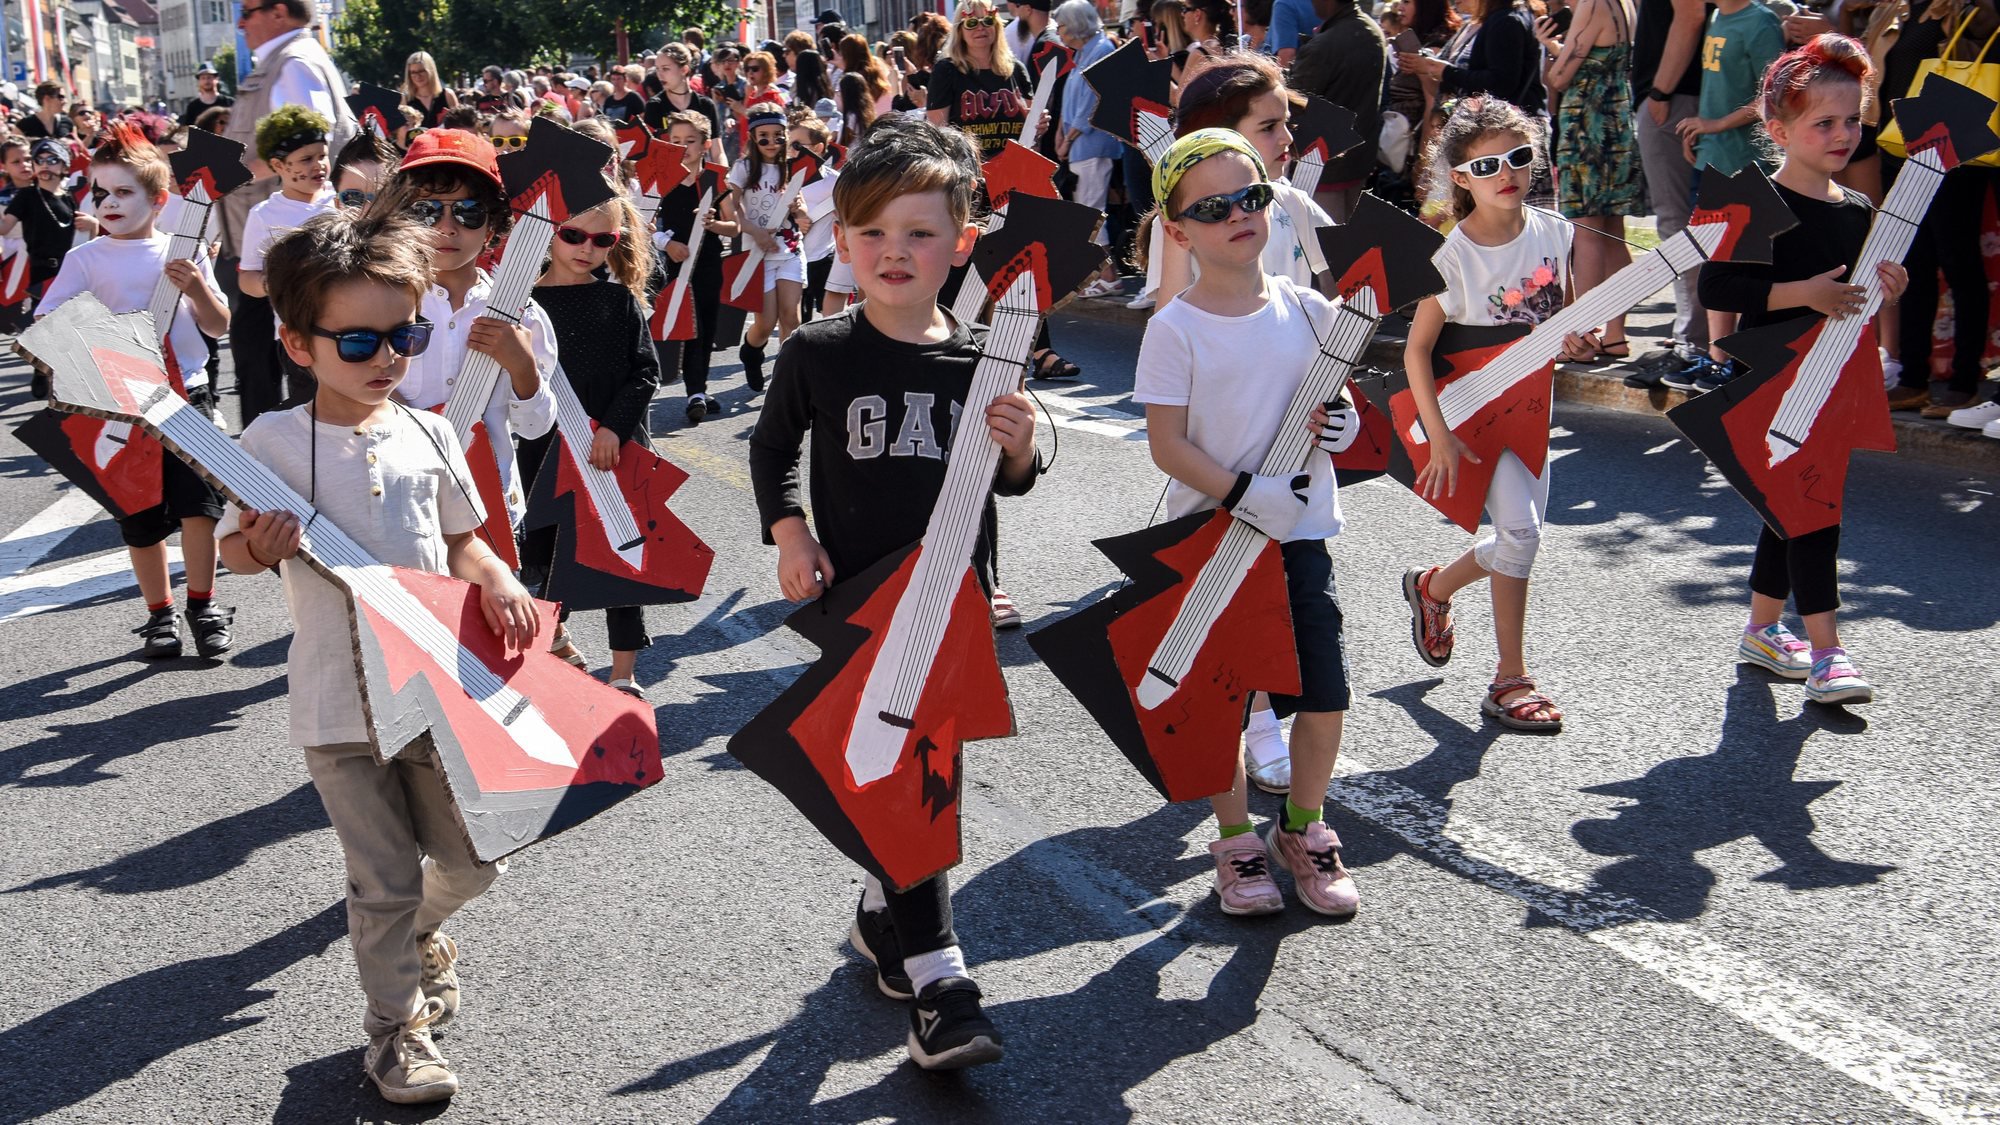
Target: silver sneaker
[405, 1065]
[440, 975]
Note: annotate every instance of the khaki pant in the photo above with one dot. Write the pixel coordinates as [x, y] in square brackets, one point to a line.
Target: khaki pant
[408, 865]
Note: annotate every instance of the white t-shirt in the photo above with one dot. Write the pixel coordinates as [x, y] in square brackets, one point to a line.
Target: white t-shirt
[277, 217]
[760, 203]
[122, 273]
[1520, 282]
[388, 490]
[1285, 252]
[818, 198]
[1237, 375]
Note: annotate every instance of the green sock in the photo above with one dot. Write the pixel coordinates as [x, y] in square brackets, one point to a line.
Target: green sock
[1297, 818]
[1229, 830]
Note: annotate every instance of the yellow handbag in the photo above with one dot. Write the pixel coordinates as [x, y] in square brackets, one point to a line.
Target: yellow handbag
[1978, 74]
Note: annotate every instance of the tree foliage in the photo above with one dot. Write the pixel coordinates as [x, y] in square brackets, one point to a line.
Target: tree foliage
[374, 37]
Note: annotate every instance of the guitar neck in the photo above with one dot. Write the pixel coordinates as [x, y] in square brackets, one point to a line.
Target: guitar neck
[605, 494]
[686, 275]
[1354, 323]
[184, 241]
[513, 284]
[1045, 88]
[1465, 397]
[1156, 136]
[1306, 173]
[974, 455]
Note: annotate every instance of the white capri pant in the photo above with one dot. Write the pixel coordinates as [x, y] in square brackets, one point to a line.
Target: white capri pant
[1518, 502]
[1093, 187]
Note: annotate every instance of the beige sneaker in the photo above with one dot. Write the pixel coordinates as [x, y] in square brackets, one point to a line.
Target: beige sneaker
[405, 1065]
[440, 978]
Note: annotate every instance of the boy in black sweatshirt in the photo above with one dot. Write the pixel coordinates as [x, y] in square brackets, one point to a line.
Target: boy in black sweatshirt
[882, 388]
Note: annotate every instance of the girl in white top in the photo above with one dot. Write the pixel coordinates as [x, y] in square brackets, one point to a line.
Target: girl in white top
[1504, 263]
[777, 228]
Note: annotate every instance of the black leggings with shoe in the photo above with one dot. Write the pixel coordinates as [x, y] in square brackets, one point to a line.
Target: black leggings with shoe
[1805, 569]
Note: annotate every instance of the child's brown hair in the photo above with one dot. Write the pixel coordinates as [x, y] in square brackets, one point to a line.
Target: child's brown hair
[334, 248]
[903, 157]
[129, 150]
[1476, 117]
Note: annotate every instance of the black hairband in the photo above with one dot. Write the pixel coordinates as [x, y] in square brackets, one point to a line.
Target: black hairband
[286, 146]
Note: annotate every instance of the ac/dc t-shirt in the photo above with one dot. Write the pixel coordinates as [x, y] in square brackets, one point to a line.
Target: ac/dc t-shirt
[990, 109]
[883, 415]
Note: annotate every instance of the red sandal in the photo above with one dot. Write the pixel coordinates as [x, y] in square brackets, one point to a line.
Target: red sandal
[1516, 712]
[1430, 619]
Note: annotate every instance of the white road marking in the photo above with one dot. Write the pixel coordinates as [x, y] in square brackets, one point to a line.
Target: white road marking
[24, 595]
[31, 542]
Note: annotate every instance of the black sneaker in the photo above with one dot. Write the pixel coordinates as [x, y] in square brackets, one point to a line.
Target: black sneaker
[697, 408]
[874, 938]
[1685, 378]
[210, 626]
[38, 386]
[160, 635]
[947, 1029]
[753, 366]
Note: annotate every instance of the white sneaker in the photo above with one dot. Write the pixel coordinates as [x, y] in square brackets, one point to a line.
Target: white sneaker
[1834, 679]
[1266, 758]
[1141, 303]
[1991, 429]
[1892, 371]
[1099, 288]
[1975, 417]
[405, 1065]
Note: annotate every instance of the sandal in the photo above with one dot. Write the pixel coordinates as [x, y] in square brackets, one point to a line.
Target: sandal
[1005, 614]
[565, 650]
[1430, 619]
[1615, 350]
[1518, 712]
[1049, 365]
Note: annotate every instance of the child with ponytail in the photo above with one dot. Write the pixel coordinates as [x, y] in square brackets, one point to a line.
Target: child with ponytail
[1811, 106]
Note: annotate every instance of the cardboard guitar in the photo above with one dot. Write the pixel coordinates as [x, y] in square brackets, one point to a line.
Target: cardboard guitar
[377, 108]
[1784, 432]
[1168, 663]
[113, 463]
[1496, 383]
[527, 745]
[867, 742]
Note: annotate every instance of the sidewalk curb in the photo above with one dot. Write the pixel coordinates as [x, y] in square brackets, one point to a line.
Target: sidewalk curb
[1932, 443]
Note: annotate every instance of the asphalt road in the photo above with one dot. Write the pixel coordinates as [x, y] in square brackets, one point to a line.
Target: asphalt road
[1707, 900]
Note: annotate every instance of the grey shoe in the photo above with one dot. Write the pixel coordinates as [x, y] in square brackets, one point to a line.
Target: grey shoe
[405, 1065]
[440, 975]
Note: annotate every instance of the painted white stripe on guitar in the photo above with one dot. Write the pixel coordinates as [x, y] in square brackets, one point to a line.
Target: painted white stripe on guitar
[574, 424]
[792, 188]
[513, 284]
[687, 264]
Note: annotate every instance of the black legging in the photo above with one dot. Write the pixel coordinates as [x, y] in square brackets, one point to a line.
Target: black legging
[1804, 569]
[922, 916]
[1948, 241]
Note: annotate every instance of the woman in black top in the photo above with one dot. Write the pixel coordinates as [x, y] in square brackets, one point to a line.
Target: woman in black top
[423, 92]
[978, 87]
[809, 79]
[675, 67]
[1493, 53]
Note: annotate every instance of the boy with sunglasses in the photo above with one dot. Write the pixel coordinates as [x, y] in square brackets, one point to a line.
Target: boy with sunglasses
[449, 185]
[292, 140]
[394, 480]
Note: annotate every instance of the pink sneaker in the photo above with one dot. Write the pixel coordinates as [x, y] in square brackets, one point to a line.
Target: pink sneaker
[1313, 858]
[1243, 876]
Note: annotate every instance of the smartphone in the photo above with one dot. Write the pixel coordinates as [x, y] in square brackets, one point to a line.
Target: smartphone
[898, 53]
[1146, 33]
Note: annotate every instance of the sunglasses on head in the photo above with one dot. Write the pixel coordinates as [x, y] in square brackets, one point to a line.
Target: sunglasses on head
[516, 141]
[980, 21]
[467, 213]
[355, 197]
[1483, 167]
[1218, 208]
[359, 345]
[604, 240]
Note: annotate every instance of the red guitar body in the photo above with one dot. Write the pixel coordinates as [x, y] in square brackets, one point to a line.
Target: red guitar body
[1368, 457]
[1802, 493]
[903, 827]
[1188, 746]
[587, 571]
[498, 530]
[751, 300]
[683, 326]
[1518, 420]
[125, 483]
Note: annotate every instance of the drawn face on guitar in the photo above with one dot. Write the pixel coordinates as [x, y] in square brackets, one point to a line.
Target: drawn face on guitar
[1507, 188]
[123, 207]
[1265, 127]
[1823, 135]
[303, 172]
[903, 254]
[1235, 241]
[350, 392]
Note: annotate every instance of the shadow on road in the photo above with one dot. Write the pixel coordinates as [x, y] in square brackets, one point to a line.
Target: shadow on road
[70, 1053]
[334, 1089]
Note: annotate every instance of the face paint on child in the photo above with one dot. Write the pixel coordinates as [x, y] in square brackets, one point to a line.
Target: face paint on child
[123, 207]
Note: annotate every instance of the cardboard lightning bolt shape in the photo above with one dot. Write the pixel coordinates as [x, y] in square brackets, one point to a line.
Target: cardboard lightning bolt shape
[1783, 433]
[526, 744]
[867, 743]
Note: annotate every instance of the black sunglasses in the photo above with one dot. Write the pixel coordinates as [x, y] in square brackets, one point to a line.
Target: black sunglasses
[359, 345]
[980, 21]
[467, 213]
[355, 197]
[604, 240]
[1218, 208]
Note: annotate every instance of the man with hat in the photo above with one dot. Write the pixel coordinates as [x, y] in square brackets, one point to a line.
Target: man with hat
[292, 69]
[207, 95]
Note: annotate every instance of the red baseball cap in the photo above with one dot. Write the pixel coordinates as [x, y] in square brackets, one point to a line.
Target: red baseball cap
[453, 146]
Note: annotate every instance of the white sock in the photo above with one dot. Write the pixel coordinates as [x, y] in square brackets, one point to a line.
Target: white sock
[872, 897]
[1264, 739]
[936, 965]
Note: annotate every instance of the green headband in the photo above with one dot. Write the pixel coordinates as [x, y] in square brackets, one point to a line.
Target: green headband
[1192, 150]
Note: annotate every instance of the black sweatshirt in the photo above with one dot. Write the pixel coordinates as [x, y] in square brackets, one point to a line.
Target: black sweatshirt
[1828, 235]
[606, 350]
[882, 416]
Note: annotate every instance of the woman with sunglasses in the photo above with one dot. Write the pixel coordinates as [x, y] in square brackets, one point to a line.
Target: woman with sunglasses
[977, 87]
[1504, 263]
[292, 141]
[423, 91]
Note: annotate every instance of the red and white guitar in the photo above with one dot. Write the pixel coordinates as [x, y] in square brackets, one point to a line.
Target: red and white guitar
[673, 316]
[527, 744]
[657, 164]
[866, 744]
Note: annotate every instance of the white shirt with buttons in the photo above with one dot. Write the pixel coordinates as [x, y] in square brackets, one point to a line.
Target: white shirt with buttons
[429, 382]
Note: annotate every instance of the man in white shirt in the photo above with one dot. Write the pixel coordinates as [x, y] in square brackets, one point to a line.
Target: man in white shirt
[292, 69]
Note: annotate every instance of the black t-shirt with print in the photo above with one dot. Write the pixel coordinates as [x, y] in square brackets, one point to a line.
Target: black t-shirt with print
[631, 107]
[48, 226]
[882, 414]
[989, 108]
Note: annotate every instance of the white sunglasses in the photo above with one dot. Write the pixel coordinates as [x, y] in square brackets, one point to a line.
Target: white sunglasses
[1483, 167]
